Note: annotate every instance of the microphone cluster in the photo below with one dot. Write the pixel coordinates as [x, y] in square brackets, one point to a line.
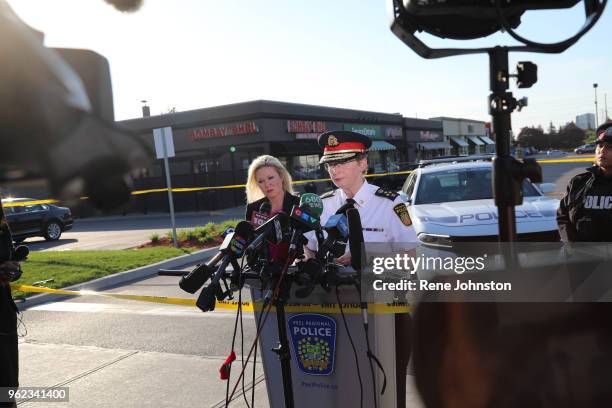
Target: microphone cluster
[276, 241]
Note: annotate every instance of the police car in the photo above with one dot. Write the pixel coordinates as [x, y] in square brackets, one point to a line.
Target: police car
[451, 201]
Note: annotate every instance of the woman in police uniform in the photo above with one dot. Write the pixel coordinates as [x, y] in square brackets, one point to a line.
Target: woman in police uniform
[384, 218]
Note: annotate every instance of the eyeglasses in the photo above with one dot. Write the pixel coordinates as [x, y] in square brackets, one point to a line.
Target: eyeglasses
[330, 166]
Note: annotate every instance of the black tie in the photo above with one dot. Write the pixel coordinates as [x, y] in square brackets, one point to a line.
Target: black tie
[350, 203]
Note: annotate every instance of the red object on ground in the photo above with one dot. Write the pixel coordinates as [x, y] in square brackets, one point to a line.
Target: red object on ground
[224, 371]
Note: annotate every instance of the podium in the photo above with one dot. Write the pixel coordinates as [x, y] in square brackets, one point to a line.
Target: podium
[323, 367]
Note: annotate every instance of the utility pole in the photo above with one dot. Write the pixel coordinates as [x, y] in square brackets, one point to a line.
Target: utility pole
[606, 104]
[596, 112]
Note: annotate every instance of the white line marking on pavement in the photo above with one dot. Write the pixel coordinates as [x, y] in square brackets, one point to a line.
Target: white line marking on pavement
[77, 307]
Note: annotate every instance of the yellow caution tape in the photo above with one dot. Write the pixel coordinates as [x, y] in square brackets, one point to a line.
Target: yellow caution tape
[192, 189]
[388, 308]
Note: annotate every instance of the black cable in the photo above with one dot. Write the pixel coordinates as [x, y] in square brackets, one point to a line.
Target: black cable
[229, 374]
[348, 332]
[265, 317]
[242, 331]
[371, 355]
[562, 45]
[254, 363]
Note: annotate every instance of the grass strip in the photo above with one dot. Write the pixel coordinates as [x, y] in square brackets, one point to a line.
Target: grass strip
[67, 268]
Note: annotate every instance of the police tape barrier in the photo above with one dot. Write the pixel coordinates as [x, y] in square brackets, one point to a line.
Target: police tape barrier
[8, 203]
[387, 308]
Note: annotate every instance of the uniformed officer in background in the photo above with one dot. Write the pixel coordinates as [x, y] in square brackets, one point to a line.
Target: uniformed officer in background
[384, 217]
[585, 212]
[8, 313]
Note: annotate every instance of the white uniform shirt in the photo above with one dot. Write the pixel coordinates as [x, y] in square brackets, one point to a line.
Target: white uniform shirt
[379, 220]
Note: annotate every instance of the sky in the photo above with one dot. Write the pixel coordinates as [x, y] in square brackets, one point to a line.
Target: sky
[192, 54]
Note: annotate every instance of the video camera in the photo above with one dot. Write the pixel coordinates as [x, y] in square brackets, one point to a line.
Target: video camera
[56, 110]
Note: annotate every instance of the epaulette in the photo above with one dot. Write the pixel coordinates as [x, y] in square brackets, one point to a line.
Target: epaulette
[391, 195]
[328, 194]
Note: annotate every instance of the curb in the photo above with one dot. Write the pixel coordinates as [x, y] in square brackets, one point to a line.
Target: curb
[239, 212]
[120, 278]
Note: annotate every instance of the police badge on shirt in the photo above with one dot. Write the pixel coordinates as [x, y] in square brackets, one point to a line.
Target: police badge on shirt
[402, 212]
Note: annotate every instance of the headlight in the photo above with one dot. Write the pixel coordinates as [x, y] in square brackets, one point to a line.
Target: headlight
[435, 240]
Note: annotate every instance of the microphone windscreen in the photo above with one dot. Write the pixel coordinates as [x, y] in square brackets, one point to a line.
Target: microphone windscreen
[314, 202]
[21, 253]
[243, 234]
[355, 237]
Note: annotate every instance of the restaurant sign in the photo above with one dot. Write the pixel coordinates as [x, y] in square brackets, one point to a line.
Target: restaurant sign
[243, 128]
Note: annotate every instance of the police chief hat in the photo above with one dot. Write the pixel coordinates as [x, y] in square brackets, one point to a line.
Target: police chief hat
[343, 145]
[604, 133]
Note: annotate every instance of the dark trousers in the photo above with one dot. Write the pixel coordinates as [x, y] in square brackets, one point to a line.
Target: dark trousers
[403, 347]
[9, 357]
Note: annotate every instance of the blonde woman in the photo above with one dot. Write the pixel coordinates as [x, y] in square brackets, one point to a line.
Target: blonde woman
[268, 181]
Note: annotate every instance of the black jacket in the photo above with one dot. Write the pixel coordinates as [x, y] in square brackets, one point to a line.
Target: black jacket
[288, 202]
[585, 212]
[9, 359]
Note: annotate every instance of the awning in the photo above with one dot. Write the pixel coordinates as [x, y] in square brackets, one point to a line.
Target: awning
[459, 141]
[434, 145]
[486, 140]
[475, 140]
[378, 145]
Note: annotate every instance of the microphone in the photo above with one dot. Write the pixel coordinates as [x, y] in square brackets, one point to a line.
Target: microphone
[314, 202]
[313, 205]
[259, 218]
[20, 253]
[233, 243]
[336, 227]
[265, 208]
[271, 229]
[236, 247]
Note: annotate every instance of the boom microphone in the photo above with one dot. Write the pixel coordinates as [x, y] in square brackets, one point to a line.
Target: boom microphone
[233, 243]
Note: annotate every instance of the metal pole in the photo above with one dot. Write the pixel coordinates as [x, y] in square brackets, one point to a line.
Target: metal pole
[596, 112]
[501, 122]
[169, 186]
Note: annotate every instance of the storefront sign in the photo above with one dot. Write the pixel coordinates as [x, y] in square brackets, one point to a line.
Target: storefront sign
[367, 130]
[430, 136]
[243, 128]
[306, 126]
[393, 132]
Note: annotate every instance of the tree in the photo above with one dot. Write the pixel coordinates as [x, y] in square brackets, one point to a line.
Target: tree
[532, 136]
[571, 136]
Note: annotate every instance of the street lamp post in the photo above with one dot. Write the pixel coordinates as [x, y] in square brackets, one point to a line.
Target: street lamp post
[596, 112]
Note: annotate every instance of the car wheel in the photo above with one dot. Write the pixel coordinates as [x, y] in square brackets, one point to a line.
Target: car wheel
[52, 231]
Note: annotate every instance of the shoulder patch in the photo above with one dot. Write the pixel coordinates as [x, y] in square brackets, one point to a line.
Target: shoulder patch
[328, 194]
[391, 195]
[402, 212]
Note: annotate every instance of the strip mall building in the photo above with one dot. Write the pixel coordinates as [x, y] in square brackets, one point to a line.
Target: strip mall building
[214, 147]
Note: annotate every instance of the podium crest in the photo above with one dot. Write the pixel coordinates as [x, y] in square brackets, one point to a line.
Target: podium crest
[313, 337]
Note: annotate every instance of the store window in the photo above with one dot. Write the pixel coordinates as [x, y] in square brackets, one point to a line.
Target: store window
[204, 166]
[306, 167]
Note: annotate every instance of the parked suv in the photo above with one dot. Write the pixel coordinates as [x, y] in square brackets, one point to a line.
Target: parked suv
[587, 148]
[36, 220]
[451, 201]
